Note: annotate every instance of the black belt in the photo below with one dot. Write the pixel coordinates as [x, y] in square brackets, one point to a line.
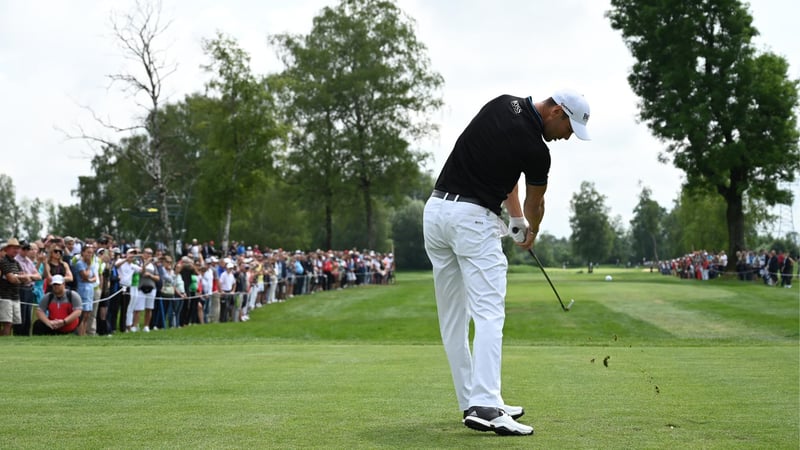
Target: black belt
[455, 197]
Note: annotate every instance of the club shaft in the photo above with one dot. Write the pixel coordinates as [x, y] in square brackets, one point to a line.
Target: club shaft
[539, 263]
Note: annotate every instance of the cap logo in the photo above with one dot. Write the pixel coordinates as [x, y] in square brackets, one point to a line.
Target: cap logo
[585, 117]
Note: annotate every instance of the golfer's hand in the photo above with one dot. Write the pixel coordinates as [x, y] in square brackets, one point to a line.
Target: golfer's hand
[527, 244]
[518, 229]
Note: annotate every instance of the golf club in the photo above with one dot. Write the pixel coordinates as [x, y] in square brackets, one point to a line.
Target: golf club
[571, 302]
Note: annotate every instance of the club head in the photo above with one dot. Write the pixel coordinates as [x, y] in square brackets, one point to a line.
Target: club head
[569, 305]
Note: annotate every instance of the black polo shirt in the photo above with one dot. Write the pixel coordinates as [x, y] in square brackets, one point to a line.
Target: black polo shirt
[501, 142]
[8, 290]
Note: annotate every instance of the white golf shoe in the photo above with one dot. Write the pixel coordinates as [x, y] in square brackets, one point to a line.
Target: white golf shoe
[514, 411]
[483, 418]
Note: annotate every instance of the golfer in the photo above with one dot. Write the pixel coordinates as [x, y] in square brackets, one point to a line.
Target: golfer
[462, 229]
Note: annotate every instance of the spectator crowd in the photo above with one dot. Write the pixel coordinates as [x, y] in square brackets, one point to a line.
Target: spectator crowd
[99, 286]
[773, 268]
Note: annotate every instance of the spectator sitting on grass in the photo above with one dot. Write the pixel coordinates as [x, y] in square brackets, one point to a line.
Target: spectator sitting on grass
[59, 311]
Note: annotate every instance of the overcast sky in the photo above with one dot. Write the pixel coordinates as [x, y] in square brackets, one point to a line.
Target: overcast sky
[55, 56]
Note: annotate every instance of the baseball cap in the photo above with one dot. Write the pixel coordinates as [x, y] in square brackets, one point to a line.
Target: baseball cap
[229, 266]
[576, 108]
[57, 279]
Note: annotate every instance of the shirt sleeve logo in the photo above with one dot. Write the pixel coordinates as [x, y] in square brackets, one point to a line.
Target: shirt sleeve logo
[515, 108]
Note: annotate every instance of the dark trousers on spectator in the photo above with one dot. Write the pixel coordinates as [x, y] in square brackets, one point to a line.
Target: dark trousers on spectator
[189, 311]
[40, 329]
[113, 312]
[173, 307]
[226, 308]
[118, 319]
[26, 297]
[157, 320]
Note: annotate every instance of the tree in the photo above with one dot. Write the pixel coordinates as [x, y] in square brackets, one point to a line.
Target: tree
[8, 204]
[552, 251]
[241, 132]
[31, 220]
[137, 33]
[647, 233]
[314, 162]
[409, 245]
[620, 243]
[726, 112]
[592, 237]
[369, 89]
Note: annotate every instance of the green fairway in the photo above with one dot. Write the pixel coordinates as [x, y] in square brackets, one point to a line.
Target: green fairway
[644, 361]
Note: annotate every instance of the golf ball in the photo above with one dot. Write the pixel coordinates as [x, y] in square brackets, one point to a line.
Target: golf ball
[608, 278]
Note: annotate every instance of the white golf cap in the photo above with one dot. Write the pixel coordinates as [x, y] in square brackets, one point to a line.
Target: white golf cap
[576, 108]
[57, 279]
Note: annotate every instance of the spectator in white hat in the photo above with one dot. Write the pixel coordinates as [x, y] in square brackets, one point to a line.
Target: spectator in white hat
[60, 310]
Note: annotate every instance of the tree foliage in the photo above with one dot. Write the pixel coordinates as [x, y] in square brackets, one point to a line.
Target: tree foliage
[361, 82]
[240, 130]
[409, 244]
[8, 204]
[647, 232]
[592, 235]
[725, 111]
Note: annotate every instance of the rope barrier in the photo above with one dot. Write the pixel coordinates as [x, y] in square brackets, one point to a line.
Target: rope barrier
[203, 295]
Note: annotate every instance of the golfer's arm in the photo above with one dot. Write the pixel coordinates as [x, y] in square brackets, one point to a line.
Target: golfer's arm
[512, 203]
[534, 206]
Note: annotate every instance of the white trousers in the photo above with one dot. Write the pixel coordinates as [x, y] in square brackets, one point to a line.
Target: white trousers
[136, 304]
[469, 273]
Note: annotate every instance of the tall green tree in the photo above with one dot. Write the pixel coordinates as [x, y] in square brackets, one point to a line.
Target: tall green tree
[314, 164]
[726, 111]
[371, 83]
[242, 133]
[620, 243]
[8, 204]
[552, 251]
[647, 230]
[138, 34]
[409, 245]
[592, 236]
[699, 221]
[31, 221]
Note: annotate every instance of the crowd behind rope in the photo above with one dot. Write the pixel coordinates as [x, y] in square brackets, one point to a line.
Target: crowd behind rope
[773, 268]
[98, 286]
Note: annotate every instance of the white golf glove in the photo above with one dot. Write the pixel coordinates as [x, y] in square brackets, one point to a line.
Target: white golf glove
[517, 228]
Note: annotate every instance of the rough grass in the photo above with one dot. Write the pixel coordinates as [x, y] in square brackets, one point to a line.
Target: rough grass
[687, 365]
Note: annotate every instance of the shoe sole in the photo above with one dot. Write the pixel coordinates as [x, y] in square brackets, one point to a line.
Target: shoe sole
[479, 424]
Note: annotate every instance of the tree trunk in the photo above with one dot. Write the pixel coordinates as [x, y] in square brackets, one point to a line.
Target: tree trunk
[226, 228]
[655, 247]
[166, 228]
[328, 224]
[368, 213]
[735, 216]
